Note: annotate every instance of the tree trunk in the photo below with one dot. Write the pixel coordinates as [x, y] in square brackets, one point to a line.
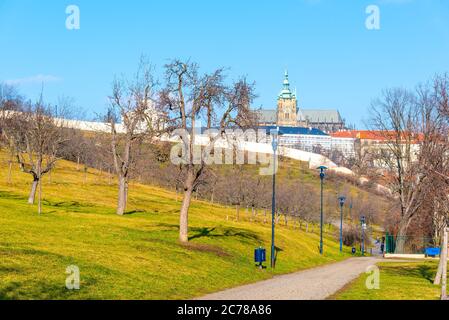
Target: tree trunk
[278, 218]
[10, 172]
[401, 236]
[85, 175]
[32, 195]
[184, 216]
[437, 280]
[109, 177]
[39, 197]
[122, 196]
[444, 264]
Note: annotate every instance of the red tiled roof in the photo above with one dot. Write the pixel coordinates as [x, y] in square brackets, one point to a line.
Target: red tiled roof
[344, 134]
[370, 135]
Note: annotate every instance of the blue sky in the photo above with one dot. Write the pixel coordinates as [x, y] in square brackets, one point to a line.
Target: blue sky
[334, 61]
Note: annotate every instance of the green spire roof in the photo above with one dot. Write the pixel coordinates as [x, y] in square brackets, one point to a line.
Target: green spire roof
[286, 92]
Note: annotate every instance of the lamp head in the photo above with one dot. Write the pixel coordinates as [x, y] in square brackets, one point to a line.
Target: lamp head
[274, 138]
[322, 171]
[342, 200]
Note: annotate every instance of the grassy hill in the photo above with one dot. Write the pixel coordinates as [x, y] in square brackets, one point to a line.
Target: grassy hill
[398, 281]
[136, 256]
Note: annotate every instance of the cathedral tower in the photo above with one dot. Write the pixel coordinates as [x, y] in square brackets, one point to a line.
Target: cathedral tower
[287, 106]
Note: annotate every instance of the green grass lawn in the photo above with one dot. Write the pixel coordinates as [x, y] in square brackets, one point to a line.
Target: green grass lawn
[398, 281]
[136, 256]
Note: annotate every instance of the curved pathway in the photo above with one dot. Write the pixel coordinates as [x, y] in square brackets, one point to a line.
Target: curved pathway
[313, 284]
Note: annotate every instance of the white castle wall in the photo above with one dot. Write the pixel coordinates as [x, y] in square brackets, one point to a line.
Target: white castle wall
[314, 160]
[90, 125]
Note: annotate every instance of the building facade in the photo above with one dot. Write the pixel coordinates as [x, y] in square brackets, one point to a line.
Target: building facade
[306, 139]
[344, 142]
[369, 146]
[287, 106]
[288, 114]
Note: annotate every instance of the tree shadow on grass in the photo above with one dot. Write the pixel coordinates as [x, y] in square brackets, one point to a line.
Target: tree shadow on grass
[73, 206]
[7, 293]
[10, 270]
[128, 213]
[41, 290]
[415, 271]
[8, 195]
[213, 232]
[276, 252]
[63, 204]
[426, 272]
[203, 232]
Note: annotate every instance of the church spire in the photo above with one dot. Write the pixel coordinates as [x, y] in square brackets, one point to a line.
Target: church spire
[287, 112]
[286, 81]
[286, 93]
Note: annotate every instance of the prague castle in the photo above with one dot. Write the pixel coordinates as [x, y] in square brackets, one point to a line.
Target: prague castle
[288, 114]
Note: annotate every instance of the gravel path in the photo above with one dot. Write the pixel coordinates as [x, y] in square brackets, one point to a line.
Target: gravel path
[313, 284]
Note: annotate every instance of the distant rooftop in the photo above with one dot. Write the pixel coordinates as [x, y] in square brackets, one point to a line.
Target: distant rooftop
[375, 135]
[295, 130]
[309, 115]
[319, 115]
[267, 116]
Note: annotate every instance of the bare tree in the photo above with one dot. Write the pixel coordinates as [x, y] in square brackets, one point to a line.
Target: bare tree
[133, 102]
[187, 96]
[395, 116]
[37, 135]
[10, 101]
[414, 146]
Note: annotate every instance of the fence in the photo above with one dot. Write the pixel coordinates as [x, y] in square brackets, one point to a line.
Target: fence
[407, 244]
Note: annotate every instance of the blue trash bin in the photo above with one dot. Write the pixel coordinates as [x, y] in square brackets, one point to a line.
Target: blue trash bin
[260, 256]
[432, 252]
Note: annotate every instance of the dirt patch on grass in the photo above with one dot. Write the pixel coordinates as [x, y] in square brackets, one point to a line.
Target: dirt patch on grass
[205, 248]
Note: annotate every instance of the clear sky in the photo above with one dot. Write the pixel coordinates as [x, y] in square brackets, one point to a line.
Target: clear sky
[334, 61]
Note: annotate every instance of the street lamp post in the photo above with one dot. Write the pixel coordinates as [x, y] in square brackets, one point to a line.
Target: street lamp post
[273, 199]
[322, 175]
[363, 224]
[342, 203]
